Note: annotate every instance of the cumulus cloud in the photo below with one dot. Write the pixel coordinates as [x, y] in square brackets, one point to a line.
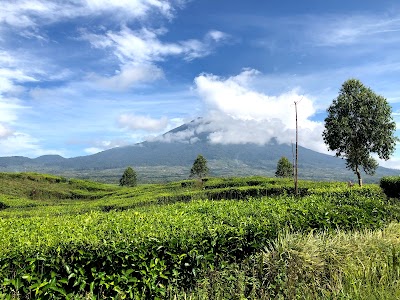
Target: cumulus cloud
[238, 114]
[138, 122]
[234, 97]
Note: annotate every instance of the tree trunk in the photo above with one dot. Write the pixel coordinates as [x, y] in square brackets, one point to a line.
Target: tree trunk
[359, 176]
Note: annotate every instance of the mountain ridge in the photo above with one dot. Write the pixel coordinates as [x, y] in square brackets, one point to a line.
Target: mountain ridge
[168, 156]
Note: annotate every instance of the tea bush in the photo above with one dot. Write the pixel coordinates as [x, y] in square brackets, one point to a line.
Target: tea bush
[391, 186]
[143, 251]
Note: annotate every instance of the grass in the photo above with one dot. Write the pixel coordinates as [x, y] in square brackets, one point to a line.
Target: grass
[342, 265]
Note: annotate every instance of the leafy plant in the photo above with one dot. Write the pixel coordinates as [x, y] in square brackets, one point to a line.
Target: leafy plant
[391, 186]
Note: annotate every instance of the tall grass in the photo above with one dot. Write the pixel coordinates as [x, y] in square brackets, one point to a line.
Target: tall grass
[341, 265]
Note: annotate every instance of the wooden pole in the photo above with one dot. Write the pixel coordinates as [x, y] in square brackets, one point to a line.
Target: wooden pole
[297, 154]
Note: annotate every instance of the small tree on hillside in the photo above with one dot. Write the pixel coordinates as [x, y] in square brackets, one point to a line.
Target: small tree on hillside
[284, 168]
[359, 123]
[199, 168]
[129, 177]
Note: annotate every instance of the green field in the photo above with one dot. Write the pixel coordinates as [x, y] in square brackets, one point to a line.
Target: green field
[224, 238]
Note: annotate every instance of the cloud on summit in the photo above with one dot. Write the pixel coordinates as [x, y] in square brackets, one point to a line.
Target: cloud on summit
[238, 113]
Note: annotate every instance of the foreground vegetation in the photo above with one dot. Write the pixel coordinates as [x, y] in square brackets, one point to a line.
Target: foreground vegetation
[239, 238]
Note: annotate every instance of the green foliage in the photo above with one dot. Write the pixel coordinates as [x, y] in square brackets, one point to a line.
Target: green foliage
[391, 186]
[199, 168]
[3, 206]
[284, 168]
[129, 178]
[143, 251]
[341, 265]
[359, 123]
[148, 241]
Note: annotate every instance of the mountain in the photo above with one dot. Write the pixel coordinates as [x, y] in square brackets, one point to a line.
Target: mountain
[170, 157]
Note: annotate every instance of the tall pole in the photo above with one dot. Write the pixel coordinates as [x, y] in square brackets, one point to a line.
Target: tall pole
[297, 153]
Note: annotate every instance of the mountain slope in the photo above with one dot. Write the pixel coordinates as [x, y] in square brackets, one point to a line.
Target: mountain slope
[170, 157]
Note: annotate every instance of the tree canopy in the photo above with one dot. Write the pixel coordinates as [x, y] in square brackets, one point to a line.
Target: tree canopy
[359, 123]
[129, 177]
[199, 168]
[284, 168]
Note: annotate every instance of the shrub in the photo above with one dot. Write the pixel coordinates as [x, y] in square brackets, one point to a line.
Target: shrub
[391, 186]
[3, 206]
[129, 177]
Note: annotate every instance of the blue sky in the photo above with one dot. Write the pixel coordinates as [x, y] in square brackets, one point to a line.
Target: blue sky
[82, 76]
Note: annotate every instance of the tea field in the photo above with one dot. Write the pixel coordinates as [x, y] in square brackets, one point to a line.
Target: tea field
[223, 238]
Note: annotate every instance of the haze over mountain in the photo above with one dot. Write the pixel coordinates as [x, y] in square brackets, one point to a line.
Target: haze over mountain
[170, 156]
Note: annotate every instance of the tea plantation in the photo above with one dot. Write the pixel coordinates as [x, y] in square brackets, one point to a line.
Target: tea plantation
[223, 238]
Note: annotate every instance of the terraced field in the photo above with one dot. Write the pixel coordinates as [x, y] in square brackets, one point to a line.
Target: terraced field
[223, 238]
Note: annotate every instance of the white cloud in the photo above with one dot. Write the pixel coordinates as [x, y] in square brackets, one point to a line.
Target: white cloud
[25, 145]
[393, 163]
[95, 146]
[144, 45]
[5, 132]
[233, 97]
[92, 150]
[129, 76]
[131, 8]
[13, 73]
[17, 75]
[217, 35]
[183, 136]
[32, 13]
[18, 67]
[9, 109]
[351, 29]
[138, 122]
[238, 114]
[140, 50]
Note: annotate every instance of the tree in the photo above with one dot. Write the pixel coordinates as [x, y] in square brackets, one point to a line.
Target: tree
[359, 123]
[199, 168]
[284, 168]
[129, 177]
